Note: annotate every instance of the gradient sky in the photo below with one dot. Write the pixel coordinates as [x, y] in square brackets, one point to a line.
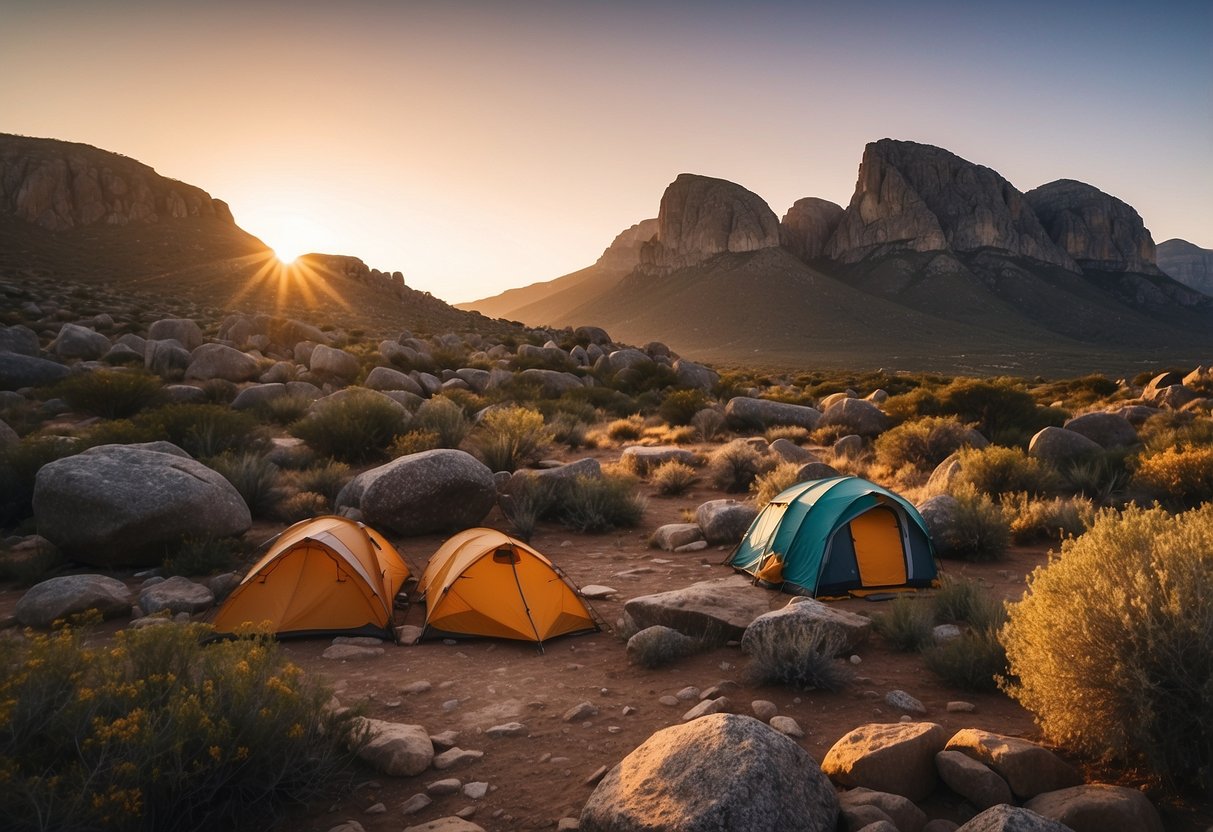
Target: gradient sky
[477, 146]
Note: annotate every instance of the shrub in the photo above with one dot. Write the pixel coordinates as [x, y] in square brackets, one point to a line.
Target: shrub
[792, 433]
[956, 599]
[908, 626]
[256, 478]
[999, 409]
[1101, 476]
[414, 442]
[1178, 477]
[595, 504]
[327, 478]
[768, 485]
[973, 661]
[708, 422]
[626, 430]
[805, 661]
[978, 531]
[1175, 429]
[110, 394]
[996, 470]
[303, 505]
[511, 437]
[568, 429]
[658, 646]
[680, 406]
[159, 732]
[1033, 519]
[19, 466]
[1112, 643]
[923, 443]
[673, 477]
[735, 466]
[355, 428]
[203, 556]
[204, 430]
[445, 418]
[219, 391]
[284, 410]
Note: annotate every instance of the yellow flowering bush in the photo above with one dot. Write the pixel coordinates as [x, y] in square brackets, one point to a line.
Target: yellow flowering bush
[161, 731]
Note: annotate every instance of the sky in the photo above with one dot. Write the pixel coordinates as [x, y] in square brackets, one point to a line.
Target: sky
[477, 146]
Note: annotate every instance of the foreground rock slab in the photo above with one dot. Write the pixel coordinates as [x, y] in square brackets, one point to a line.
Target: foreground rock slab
[720, 772]
[1028, 768]
[61, 597]
[1098, 808]
[715, 611]
[897, 758]
[395, 749]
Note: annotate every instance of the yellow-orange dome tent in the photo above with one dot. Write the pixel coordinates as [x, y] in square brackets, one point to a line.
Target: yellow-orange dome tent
[324, 575]
[482, 582]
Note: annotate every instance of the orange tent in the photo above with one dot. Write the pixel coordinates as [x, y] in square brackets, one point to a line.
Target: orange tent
[324, 575]
[484, 583]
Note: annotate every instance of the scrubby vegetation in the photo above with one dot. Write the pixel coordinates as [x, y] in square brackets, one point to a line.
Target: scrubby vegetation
[673, 477]
[511, 437]
[156, 732]
[805, 661]
[110, 394]
[767, 486]
[1112, 645]
[358, 427]
[584, 503]
[735, 466]
[908, 625]
[258, 480]
[1031, 519]
[998, 470]
[443, 417]
[977, 531]
[922, 443]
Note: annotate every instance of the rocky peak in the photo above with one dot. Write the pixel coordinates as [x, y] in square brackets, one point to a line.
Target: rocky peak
[808, 225]
[701, 217]
[1096, 229]
[915, 197]
[60, 185]
[1188, 263]
[623, 254]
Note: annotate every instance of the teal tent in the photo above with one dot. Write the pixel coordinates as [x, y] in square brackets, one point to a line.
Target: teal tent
[837, 536]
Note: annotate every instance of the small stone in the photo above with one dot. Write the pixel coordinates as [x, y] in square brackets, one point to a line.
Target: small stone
[568, 825]
[455, 757]
[580, 712]
[855, 659]
[449, 641]
[597, 775]
[787, 725]
[958, 707]
[688, 694]
[594, 591]
[904, 702]
[628, 710]
[708, 706]
[377, 809]
[450, 785]
[508, 729]
[444, 740]
[416, 687]
[450, 705]
[466, 812]
[670, 701]
[698, 545]
[946, 632]
[476, 790]
[764, 709]
[415, 804]
[408, 634]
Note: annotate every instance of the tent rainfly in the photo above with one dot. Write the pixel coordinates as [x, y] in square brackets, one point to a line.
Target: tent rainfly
[837, 536]
[482, 582]
[321, 576]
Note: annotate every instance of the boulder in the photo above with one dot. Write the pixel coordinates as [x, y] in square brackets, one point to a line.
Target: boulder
[974, 781]
[165, 357]
[75, 341]
[1004, 818]
[673, 535]
[595, 334]
[642, 458]
[475, 378]
[940, 514]
[815, 471]
[19, 339]
[789, 451]
[395, 749]
[1057, 445]
[725, 521]
[849, 446]
[695, 375]
[1028, 768]
[857, 416]
[176, 594]
[117, 505]
[1109, 430]
[743, 412]
[897, 758]
[588, 467]
[433, 491]
[1097, 807]
[182, 330]
[944, 475]
[17, 371]
[808, 225]
[10, 439]
[905, 816]
[553, 383]
[57, 598]
[258, 394]
[717, 611]
[1175, 397]
[385, 378]
[802, 616]
[657, 646]
[451, 823]
[218, 361]
[723, 771]
[332, 361]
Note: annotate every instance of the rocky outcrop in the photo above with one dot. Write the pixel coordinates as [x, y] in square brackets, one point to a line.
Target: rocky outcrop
[1098, 230]
[623, 254]
[60, 185]
[898, 758]
[915, 197]
[701, 217]
[1190, 264]
[808, 225]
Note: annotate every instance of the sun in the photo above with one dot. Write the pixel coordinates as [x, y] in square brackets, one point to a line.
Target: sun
[286, 253]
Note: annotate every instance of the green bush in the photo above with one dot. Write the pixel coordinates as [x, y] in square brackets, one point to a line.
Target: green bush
[1112, 643]
[673, 477]
[978, 530]
[805, 661]
[735, 466]
[219, 391]
[767, 486]
[327, 478]
[414, 442]
[1032, 519]
[568, 429]
[283, 410]
[203, 556]
[304, 505]
[445, 418]
[1176, 430]
[258, 480]
[997, 407]
[358, 427]
[511, 437]
[908, 626]
[204, 430]
[708, 422]
[974, 661]
[157, 732]
[110, 394]
[957, 599]
[584, 504]
[1179, 478]
[625, 430]
[680, 406]
[996, 470]
[1101, 476]
[19, 466]
[923, 443]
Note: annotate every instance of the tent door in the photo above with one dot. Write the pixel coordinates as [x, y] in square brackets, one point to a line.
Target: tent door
[878, 548]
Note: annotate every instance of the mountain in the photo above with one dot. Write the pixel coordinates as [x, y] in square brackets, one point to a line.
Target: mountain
[74, 212]
[935, 263]
[1190, 264]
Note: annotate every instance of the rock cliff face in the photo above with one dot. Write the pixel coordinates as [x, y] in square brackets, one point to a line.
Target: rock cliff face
[915, 197]
[1190, 264]
[60, 185]
[701, 217]
[808, 225]
[623, 254]
[1098, 230]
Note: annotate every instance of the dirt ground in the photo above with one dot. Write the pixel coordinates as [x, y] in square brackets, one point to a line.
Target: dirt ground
[543, 775]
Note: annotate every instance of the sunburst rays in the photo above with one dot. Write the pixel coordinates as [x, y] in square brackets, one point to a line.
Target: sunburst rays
[302, 280]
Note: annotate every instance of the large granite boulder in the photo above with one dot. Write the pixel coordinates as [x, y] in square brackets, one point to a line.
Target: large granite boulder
[19, 339]
[58, 598]
[75, 341]
[182, 330]
[552, 383]
[165, 357]
[257, 395]
[219, 361]
[385, 378]
[902, 813]
[1108, 430]
[701, 217]
[974, 781]
[898, 758]
[1028, 768]
[1004, 818]
[858, 416]
[331, 361]
[1097, 807]
[720, 772]
[120, 505]
[434, 491]
[803, 616]
[725, 521]
[175, 595]
[695, 375]
[743, 412]
[808, 225]
[1097, 230]
[1058, 445]
[17, 371]
[717, 611]
[644, 458]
